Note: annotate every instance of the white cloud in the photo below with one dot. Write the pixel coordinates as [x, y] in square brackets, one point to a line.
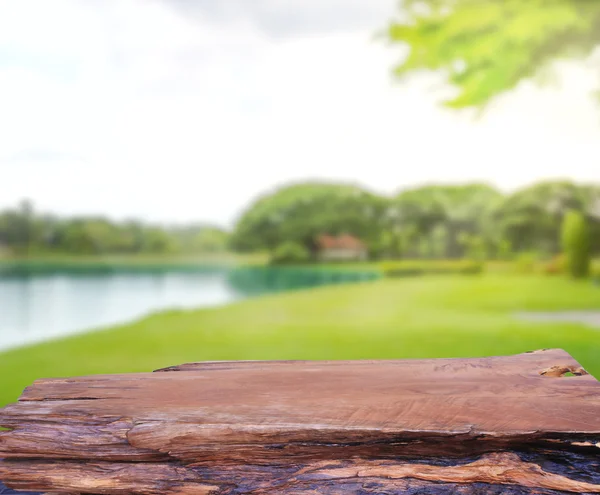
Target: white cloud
[130, 108]
[288, 18]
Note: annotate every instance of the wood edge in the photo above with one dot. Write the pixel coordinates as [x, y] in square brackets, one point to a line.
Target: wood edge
[550, 353]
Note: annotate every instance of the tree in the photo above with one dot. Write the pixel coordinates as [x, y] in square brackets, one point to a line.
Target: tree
[19, 228]
[290, 252]
[300, 213]
[24, 230]
[210, 240]
[468, 208]
[420, 210]
[475, 247]
[157, 241]
[530, 218]
[576, 244]
[439, 216]
[591, 204]
[485, 48]
[90, 236]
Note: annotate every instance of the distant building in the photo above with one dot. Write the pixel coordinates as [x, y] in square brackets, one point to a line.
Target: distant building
[341, 248]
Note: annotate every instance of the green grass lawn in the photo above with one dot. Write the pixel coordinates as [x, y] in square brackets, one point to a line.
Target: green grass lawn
[442, 316]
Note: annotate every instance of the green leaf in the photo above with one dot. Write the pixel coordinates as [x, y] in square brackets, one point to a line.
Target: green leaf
[495, 44]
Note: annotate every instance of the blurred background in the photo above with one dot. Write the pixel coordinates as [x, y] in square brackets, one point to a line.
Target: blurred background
[301, 179]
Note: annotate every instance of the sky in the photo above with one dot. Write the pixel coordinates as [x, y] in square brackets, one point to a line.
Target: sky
[186, 110]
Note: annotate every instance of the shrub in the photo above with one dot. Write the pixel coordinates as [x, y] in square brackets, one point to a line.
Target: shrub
[556, 265]
[433, 267]
[290, 252]
[576, 244]
[595, 268]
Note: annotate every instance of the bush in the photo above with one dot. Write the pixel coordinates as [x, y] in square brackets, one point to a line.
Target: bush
[595, 268]
[576, 244]
[432, 267]
[556, 265]
[290, 252]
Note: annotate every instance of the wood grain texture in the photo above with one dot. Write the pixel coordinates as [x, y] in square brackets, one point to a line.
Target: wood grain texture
[512, 424]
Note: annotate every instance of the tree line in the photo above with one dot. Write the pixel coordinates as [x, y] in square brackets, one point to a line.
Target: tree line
[434, 221]
[473, 220]
[24, 231]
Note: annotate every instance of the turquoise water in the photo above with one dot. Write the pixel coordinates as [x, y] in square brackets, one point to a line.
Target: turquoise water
[44, 303]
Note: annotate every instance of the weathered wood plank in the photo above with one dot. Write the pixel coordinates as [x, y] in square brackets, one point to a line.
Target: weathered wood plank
[470, 425]
[150, 478]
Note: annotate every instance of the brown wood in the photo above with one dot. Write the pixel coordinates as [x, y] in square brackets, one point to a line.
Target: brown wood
[513, 424]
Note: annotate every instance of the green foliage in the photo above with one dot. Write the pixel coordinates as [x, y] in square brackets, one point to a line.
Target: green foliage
[19, 228]
[530, 218]
[89, 236]
[475, 247]
[595, 270]
[211, 240]
[504, 250]
[485, 48]
[576, 244]
[436, 219]
[23, 231]
[159, 241]
[290, 253]
[432, 267]
[472, 221]
[200, 238]
[302, 212]
[556, 266]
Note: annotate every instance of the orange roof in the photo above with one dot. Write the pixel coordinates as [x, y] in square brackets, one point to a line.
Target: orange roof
[345, 241]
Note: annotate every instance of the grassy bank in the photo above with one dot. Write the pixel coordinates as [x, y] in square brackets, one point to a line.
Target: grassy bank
[455, 316]
[134, 259]
[85, 265]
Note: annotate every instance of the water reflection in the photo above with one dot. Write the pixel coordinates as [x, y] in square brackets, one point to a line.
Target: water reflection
[260, 280]
[43, 305]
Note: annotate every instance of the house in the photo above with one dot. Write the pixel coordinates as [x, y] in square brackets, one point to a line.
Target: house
[341, 248]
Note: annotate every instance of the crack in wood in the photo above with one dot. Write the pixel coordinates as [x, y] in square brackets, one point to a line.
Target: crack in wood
[498, 468]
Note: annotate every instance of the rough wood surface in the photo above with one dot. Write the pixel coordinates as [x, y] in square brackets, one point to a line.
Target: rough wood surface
[511, 425]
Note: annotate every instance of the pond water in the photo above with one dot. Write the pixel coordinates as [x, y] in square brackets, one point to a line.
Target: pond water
[40, 305]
